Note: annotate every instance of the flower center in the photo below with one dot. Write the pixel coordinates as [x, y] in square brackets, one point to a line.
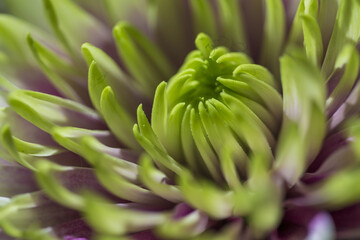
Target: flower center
[204, 74]
[218, 110]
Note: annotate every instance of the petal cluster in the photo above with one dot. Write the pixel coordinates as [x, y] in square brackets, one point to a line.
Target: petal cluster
[113, 127]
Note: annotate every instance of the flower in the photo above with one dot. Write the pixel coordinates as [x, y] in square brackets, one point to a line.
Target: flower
[253, 135]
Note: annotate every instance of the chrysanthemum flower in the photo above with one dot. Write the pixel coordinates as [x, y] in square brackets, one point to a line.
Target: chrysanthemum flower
[136, 135]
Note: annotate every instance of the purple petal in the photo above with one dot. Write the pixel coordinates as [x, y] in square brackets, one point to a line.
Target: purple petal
[173, 23]
[299, 216]
[74, 238]
[182, 210]
[291, 7]
[350, 108]
[331, 144]
[334, 80]
[120, 153]
[144, 235]
[342, 158]
[68, 158]
[26, 131]
[326, 18]
[73, 230]
[289, 231]
[294, 224]
[34, 79]
[3, 236]
[45, 213]
[16, 180]
[6, 163]
[80, 179]
[254, 25]
[347, 222]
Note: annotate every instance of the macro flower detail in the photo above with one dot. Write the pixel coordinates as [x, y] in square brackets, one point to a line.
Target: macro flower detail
[113, 127]
[213, 88]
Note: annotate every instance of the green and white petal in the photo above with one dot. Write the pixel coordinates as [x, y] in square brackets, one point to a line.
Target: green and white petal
[73, 26]
[304, 116]
[346, 30]
[138, 52]
[115, 220]
[47, 111]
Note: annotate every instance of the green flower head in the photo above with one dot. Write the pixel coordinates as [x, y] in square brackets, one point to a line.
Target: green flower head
[113, 127]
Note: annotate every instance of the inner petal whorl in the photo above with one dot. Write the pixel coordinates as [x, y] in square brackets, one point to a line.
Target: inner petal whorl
[199, 79]
[217, 99]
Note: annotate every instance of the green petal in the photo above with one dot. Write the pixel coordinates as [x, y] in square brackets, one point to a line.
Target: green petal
[30, 216]
[153, 179]
[34, 149]
[348, 58]
[274, 33]
[308, 8]
[107, 218]
[264, 91]
[247, 131]
[265, 196]
[218, 52]
[159, 113]
[243, 110]
[327, 17]
[173, 137]
[6, 85]
[304, 115]
[169, 25]
[146, 129]
[31, 12]
[72, 25]
[98, 153]
[54, 67]
[25, 153]
[150, 142]
[346, 30]
[265, 217]
[117, 175]
[46, 111]
[104, 71]
[187, 142]
[96, 84]
[205, 45]
[53, 188]
[259, 72]
[70, 137]
[240, 87]
[206, 197]
[354, 132]
[15, 56]
[234, 59]
[13, 40]
[124, 10]
[228, 167]
[204, 17]
[8, 143]
[203, 145]
[312, 38]
[111, 178]
[184, 228]
[232, 25]
[339, 190]
[214, 119]
[117, 119]
[231, 231]
[109, 237]
[138, 52]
